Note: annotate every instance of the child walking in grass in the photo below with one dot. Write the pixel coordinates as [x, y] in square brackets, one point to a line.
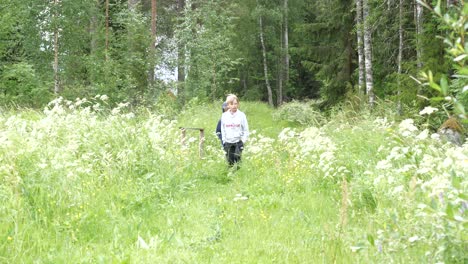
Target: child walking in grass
[234, 130]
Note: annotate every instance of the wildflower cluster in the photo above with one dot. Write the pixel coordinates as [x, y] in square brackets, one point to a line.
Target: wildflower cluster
[422, 174]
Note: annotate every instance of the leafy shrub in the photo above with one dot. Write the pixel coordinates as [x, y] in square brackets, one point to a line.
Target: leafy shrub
[304, 113]
[20, 84]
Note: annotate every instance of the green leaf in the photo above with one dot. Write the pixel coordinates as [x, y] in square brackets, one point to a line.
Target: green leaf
[461, 57]
[444, 85]
[456, 181]
[435, 86]
[437, 8]
[437, 99]
[449, 211]
[371, 240]
[459, 108]
[463, 71]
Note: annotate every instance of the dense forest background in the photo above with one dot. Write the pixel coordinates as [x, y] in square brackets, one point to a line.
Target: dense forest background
[142, 51]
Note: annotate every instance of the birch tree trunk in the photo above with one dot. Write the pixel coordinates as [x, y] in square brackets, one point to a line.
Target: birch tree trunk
[400, 53]
[56, 50]
[153, 21]
[286, 51]
[265, 67]
[419, 31]
[180, 57]
[280, 69]
[368, 53]
[360, 46]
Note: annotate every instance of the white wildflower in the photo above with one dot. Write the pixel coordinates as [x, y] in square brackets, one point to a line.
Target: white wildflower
[255, 149]
[398, 189]
[405, 168]
[141, 243]
[383, 165]
[380, 149]
[286, 134]
[428, 110]
[423, 135]
[396, 153]
[383, 122]
[115, 111]
[240, 197]
[378, 179]
[265, 140]
[407, 126]
[423, 171]
[129, 116]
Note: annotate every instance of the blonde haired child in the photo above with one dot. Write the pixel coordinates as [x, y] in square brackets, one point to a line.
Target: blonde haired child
[234, 130]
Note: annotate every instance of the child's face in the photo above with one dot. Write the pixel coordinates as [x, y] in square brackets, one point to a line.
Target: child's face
[233, 106]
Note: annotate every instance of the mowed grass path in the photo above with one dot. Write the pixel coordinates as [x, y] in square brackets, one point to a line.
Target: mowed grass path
[251, 216]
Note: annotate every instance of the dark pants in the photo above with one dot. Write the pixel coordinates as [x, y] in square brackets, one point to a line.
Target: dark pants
[233, 152]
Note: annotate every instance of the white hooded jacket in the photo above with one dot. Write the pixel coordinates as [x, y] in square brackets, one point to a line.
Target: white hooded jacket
[234, 127]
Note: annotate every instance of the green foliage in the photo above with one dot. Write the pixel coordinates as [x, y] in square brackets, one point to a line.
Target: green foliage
[208, 31]
[303, 113]
[399, 87]
[452, 90]
[323, 47]
[19, 84]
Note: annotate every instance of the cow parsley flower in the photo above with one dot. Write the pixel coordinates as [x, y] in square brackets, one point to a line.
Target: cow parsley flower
[428, 110]
[406, 127]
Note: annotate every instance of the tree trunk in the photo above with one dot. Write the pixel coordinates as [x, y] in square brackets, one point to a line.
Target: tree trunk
[106, 51]
[180, 58]
[153, 21]
[419, 32]
[280, 71]
[265, 67]
[93, 26]
[400, 53]
[56, 52]
[360, 46]
[368, 53]
[286, 52]
[153, 40]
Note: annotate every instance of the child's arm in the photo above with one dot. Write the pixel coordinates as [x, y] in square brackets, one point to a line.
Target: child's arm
[245, 130]
[218, 130]
[223, 131]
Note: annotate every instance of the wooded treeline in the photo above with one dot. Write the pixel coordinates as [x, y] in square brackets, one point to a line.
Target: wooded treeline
[271, 50]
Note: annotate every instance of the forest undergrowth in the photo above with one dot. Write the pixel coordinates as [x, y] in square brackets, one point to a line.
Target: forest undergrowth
[83, 183]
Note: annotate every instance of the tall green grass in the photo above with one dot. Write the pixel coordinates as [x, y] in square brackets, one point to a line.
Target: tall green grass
[82, 183]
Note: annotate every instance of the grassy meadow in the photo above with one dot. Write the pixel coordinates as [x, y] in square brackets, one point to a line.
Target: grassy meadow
[81, 183]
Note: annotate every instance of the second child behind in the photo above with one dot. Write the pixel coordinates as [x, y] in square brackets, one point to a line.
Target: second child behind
[234, 130]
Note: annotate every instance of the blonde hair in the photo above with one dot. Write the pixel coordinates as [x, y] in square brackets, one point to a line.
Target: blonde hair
[230, 98]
